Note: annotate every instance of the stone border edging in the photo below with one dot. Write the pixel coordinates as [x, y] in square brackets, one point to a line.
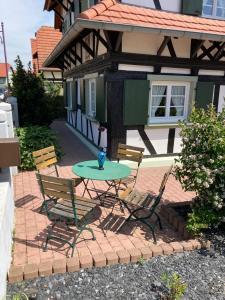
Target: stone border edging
[74, 264]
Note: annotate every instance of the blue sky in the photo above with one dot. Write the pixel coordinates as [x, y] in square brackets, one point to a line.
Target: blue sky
[21, 19]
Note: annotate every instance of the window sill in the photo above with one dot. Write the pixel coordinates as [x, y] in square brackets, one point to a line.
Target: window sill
[91, 119]
[164, 125]
[69, 108]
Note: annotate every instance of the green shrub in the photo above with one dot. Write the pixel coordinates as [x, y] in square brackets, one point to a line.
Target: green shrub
[33, 138]
[202, 167]
[175, 286]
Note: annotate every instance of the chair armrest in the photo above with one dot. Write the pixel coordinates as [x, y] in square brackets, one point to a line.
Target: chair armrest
[77, 181]
[123, 195]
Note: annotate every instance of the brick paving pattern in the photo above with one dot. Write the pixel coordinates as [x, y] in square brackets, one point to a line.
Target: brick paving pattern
[133, 240]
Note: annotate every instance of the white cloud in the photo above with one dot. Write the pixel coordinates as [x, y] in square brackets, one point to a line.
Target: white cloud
[21, 20]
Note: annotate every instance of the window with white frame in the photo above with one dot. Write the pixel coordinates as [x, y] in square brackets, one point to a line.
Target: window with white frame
[168, 101]
[92, 98]
[214, 8]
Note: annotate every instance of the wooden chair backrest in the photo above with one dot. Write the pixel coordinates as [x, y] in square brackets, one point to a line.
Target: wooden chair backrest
[45, 158]
[165, 179]
[59, 188]
[132, 153]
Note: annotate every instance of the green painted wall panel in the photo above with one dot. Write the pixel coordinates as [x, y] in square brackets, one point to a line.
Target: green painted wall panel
[82, 95]
[136, 99]
[192, 7]
[100, 100]
[204, 94]
[74, 95]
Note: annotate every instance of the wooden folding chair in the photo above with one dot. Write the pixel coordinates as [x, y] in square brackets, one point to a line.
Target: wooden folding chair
[69, 208]
[134, 154]
[142, 206]
[46, 158]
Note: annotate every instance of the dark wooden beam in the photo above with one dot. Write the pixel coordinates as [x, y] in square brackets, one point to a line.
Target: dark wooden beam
[73, 51]
[109, 43]
[220, 52]
[165, 61]
[206, 52]
[101, 39]
[157, 4]
[195, 47]
[163, 45]
[87, 48]
[58, 14]
[67, 54]
[60, 2]
[118, 44]
[171, 48]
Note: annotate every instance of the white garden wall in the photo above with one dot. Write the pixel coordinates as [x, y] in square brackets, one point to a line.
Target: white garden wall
[6, 202]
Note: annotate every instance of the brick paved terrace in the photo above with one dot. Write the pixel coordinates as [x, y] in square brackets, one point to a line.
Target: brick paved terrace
[31, 226]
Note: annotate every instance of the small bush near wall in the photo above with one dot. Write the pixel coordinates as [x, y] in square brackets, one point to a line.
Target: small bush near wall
[33, 138]
[202, 167]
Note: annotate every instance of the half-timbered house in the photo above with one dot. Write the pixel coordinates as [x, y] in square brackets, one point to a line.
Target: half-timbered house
[134, 68]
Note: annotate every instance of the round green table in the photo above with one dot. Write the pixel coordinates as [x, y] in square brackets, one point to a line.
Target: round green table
[112, 173]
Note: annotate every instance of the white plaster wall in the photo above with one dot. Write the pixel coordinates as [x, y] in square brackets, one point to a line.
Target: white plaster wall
[170, 5]
[6, 227]
[6, 202]
[159, 139]
[221, 103]
[134, 139]
[149, 43]
[177, 142]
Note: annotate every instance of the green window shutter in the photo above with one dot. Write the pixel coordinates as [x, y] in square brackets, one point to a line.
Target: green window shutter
[74, 95]
[136, 99]
[100, 100]
[86, 95]
[65, 94]
[192, 7]
[82, 95]
[204, 94]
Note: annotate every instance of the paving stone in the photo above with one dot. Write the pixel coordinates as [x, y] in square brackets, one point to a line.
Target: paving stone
[45, 268]
[30, 271]
[99, 260]
[15, 274]
[124, 256]
[73, 264]
[135, 255]
[59, 265]
[86, 261]
[111, 258]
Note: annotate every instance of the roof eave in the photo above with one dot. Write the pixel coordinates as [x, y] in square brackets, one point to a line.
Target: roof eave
[81, 24]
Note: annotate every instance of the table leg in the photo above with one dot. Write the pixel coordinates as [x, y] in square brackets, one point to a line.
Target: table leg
[86, 188]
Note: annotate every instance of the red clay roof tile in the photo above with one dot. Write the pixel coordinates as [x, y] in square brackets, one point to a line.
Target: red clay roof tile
[3, 69]
[114, 12]
[46, 39]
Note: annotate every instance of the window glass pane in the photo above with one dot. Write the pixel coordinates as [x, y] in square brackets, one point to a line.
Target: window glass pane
[207, 7]
[159, 90]
[219, 12]
[221, 3]
[158, 111]
[178, 90]
[177, 101]
[176, 111]
[158, 101]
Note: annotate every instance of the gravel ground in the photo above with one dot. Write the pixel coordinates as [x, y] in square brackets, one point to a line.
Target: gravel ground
[203, 271]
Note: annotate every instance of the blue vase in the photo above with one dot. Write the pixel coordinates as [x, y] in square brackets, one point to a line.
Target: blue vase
[101, 159]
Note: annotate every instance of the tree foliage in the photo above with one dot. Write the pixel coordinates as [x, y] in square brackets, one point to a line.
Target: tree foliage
[201, 167]
[35, 105]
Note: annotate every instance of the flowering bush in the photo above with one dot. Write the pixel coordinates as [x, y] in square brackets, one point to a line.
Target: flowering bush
[201, 167]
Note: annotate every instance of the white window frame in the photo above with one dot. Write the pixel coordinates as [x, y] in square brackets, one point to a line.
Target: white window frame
[167, 118]
[91, 112]
[213, 15]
